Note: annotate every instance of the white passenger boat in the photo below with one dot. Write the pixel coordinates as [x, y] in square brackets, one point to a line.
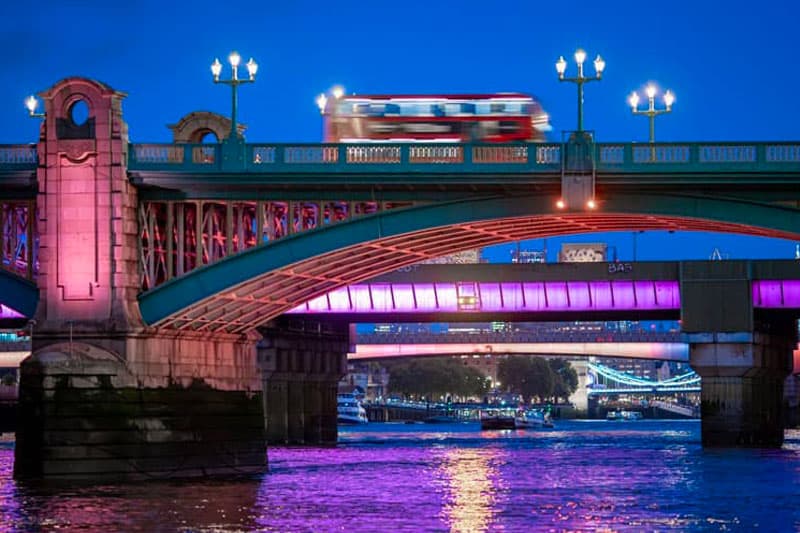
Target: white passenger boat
[532, 418]
[623, 415]
[350, 410]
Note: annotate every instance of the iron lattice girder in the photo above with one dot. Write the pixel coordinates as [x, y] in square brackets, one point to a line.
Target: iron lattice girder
[240, 293]
[177, 237]
[18, 237]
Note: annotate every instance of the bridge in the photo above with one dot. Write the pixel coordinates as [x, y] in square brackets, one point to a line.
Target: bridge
[610, 381]
[665, 346]
[163, 271]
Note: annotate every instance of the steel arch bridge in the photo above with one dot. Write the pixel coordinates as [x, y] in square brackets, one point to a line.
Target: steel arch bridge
[227, 244]
[616, 382]
[250, 288]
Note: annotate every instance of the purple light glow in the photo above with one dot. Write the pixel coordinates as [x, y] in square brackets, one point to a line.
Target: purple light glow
[664, 351]
[7, 312]
[776, 294]
[495, 297]
[528, 296]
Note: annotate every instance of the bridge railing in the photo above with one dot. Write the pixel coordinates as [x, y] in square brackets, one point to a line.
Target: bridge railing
[324, 158]
[18, 156]
[518, 157]
[525, 157]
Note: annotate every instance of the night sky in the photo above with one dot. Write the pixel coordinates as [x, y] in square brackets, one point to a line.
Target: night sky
[732, 66]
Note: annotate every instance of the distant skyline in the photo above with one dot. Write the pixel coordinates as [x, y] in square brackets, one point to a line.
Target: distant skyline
[730, 65]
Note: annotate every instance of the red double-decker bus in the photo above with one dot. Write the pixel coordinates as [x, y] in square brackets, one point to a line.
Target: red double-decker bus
[495, 118]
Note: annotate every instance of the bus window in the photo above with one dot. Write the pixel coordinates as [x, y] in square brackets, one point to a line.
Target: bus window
[452, 109]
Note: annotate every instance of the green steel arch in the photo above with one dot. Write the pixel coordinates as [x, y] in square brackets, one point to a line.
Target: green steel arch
[244, 291]
[18, 293]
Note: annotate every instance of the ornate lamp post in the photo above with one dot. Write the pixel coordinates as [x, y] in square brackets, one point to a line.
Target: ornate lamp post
[322, 103]
[234, 82]
[651, 112]
[580, 79]
[32, 103]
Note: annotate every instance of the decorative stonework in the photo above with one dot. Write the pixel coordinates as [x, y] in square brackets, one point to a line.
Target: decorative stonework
[197, 124]
[86, 234]
[76, 150]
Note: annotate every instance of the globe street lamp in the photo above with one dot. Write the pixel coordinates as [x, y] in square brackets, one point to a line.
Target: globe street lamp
[580, 79]
[234, 82]
[32, 103]
[651, 110]
[322, 103]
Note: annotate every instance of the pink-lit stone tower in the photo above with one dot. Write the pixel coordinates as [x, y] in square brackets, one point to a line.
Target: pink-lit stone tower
[103, 396]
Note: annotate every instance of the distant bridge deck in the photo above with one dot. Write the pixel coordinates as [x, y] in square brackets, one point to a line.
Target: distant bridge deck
[661, 351]
[560, 291]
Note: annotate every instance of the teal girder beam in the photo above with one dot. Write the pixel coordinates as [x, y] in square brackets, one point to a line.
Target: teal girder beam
[246, 290]
[18, 293]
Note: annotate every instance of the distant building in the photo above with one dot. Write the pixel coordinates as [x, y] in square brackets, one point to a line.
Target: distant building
[365, 379]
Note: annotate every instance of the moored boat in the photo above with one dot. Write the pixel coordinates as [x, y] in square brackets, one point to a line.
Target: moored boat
[349, 410]
[532, 418]
[497, 419]
[623, 415]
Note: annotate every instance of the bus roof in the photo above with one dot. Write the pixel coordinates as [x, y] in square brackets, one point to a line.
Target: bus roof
[486, 96]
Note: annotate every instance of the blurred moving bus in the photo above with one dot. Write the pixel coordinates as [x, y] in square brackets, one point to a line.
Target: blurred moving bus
[492, 118]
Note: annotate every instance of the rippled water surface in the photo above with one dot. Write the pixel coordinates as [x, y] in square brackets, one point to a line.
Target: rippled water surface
[581, 476]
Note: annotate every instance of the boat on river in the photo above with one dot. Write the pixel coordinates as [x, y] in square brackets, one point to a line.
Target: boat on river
[349, 409]
[498, 419]
[532, 419]
[623, 415]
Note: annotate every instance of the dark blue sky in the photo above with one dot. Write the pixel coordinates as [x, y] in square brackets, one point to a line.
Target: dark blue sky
[731, 64]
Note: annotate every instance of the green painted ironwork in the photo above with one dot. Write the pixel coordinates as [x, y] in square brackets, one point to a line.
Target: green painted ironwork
[250, 265]
[379, 160]
[383, 160]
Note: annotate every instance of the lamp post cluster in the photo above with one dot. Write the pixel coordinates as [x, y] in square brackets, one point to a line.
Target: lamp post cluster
[580, 79]
[651, 112]
[599, 67]
[216, 69]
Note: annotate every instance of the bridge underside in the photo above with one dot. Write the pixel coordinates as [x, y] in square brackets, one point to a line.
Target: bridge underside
[243, 292]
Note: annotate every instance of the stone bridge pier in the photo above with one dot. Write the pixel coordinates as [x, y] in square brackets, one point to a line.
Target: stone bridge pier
[743, 358]
[102, 395]
[302, 362]
[102, 405]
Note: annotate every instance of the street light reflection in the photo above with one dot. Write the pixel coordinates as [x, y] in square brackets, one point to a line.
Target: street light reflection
[472, 489]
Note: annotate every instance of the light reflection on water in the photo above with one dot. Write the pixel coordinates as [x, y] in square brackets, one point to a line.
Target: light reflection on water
[473, 487]
[582, 476]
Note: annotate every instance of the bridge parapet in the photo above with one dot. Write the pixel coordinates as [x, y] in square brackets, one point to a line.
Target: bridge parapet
[21, 156]
[514, 158]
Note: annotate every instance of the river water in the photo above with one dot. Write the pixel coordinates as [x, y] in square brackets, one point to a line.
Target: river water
[581, 476]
